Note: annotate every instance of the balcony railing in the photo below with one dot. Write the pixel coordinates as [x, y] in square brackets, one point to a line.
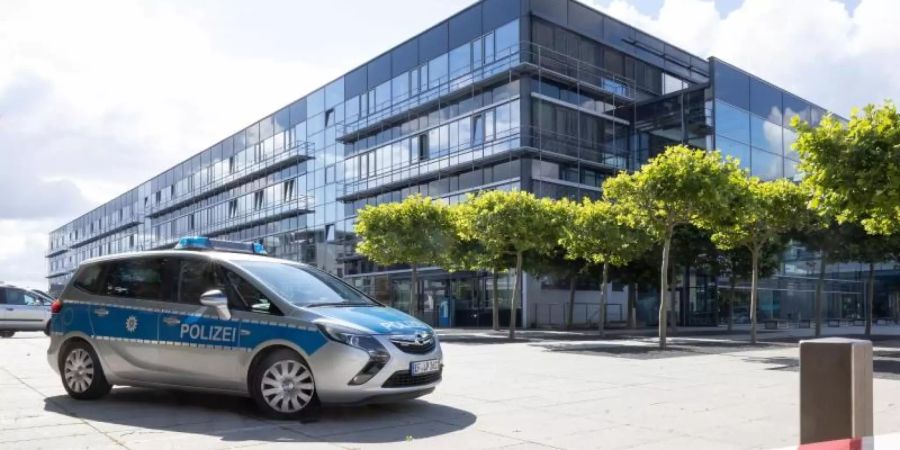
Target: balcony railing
[403, 173]
[525, 54]
[246, 219]
[128, 223]
[294, 154]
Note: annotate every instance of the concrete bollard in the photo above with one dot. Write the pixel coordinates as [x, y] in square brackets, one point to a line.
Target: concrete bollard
[835, 389]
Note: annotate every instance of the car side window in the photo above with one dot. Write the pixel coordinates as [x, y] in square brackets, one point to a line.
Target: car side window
[88, 278]
[15, 297]
[32, 300]
[249, 295]
[196, 277]
[3, 295]
[139, 278]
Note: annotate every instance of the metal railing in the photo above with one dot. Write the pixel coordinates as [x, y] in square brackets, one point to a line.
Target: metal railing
[583, 314]
[521, 54]
[298, 151]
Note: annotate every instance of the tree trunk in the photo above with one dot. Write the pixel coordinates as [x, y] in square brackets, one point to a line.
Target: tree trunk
[673, 287]
[414, 292]
[753, 294]
[819, 287]
[663, 290]
[514, 301]
[602, 325]
[733, 281]
[632, 305]
[717, 315]
[870, 298]
[569, 319]
[495, 303]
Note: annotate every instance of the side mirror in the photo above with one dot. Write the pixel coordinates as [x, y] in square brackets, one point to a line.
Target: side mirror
[216, 299]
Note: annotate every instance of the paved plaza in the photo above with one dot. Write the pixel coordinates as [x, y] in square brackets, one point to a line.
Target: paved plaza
[547, 390]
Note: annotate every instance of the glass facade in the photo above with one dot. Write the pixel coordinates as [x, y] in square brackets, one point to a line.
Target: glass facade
[548, 96]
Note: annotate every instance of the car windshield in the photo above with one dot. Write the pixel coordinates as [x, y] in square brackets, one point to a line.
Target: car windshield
[304, 286]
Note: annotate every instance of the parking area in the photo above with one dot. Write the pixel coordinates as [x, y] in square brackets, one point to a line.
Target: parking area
[544, 391]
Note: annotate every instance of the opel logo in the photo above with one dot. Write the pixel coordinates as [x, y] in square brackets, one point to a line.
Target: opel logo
[423, 338]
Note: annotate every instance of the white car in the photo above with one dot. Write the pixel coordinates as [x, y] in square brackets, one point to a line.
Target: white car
[22, 310]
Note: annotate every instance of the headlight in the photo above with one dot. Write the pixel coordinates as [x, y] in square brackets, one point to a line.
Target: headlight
[354, 338]
[378, 355]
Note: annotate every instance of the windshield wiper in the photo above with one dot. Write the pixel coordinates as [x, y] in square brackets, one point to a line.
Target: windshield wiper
[313, 305]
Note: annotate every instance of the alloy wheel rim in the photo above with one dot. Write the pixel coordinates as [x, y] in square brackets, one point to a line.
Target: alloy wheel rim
[79, 370]
[287, 386]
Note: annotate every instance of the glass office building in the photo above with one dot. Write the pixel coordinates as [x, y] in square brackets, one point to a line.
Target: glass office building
[548, 96]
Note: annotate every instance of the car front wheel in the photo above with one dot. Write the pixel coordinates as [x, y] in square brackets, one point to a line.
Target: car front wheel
[81, 373]
[7, 334]
[283, 387]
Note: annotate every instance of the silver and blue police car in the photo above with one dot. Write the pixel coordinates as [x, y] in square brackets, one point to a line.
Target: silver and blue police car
[222, 317]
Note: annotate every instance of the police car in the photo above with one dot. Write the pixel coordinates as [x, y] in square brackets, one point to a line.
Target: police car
[222, 317]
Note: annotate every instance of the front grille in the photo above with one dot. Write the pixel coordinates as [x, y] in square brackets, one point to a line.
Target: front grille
[417, 345]
[402, 378]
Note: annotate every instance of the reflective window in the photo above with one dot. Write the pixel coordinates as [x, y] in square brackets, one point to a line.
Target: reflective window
[460, 58]
[136, 278]
[732, 85]
[790, 136]
[304, 286]
[765, 101]
[732, 122]
[790, 170]
[437, 71]
[766, 165]
[506, 39]
[735, 149]
[795, 106]
[765, 135]
[195, 278]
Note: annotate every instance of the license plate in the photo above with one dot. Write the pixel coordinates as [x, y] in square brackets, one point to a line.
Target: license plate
[423, 367]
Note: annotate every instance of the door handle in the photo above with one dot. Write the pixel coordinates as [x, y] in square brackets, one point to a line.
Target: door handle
[245, 332]
[171, 320]
[101, 312]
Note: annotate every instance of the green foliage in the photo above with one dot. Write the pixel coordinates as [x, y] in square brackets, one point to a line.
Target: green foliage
[596, 231]
[767, 210]
[416, 231]
[679, 186]
[506, 223]
[853, 171]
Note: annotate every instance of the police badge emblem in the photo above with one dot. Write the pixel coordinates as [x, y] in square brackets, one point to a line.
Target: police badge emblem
[131, 324]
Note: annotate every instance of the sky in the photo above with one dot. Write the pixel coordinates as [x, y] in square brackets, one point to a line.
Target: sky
[97, 96]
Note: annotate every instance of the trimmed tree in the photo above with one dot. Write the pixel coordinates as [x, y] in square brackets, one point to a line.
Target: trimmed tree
[769, 210]
[509, 224]
[468, 254]
[597, 231]
[853, 170]
[416, 231]
[678, 187]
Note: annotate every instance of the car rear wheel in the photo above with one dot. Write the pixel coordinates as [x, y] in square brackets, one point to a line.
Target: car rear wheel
[7, 334]
[283, 387]
[81, 373]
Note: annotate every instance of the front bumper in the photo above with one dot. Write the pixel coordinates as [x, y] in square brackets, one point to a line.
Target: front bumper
[335, 364]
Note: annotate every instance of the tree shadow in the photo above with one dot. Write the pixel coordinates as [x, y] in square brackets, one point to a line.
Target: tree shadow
[232, 418]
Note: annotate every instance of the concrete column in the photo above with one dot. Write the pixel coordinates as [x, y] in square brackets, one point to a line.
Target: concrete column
[835, 389]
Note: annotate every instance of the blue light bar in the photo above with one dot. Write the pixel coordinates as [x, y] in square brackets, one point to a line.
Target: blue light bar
[205, 243]
[194, 243]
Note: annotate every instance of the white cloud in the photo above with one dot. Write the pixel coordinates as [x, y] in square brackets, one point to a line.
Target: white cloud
[100, 95]
[97, 96]
[817, 49]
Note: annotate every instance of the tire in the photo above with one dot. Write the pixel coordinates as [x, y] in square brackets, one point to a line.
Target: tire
[283, 387]
[7, 334]
[81, 372]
